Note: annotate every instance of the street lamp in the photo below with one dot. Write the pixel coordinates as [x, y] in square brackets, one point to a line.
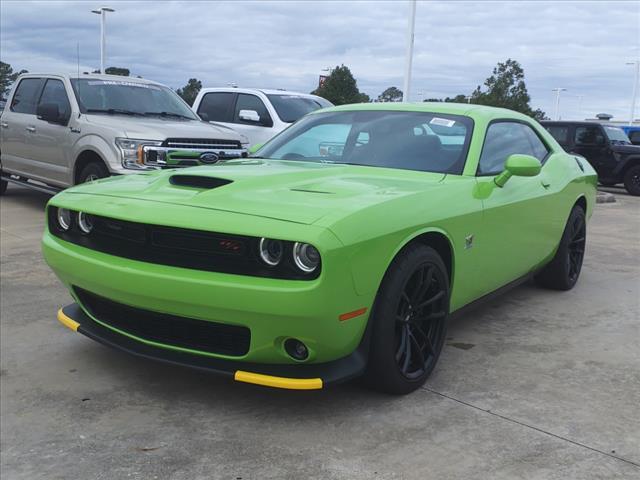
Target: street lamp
[558, 90]
[409, 59]
[102, 11]
[635, 90]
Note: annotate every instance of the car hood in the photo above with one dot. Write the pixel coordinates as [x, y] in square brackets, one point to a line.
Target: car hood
[626, 149]
[301, 192]
[157, 128]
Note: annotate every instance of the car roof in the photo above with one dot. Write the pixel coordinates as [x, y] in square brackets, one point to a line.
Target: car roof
[90, 76]
[266, 91]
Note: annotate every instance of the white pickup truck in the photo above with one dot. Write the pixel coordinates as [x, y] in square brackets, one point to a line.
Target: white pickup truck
[258, 114]
[61, 130]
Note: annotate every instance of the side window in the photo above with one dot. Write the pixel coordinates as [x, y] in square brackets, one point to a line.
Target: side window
[251, 102]
[507, 138]
[634, 137]
[589, 136]
[25, 98]
[560, 133]
[54, 92]
[218, 106]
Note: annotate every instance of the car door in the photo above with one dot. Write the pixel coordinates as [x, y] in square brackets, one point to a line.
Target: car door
[258, 129]
[17, 125]
[591, 142]
[519, 221]
[50, 140]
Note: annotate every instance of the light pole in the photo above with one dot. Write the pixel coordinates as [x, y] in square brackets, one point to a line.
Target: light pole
[409, 59]
[102, 11]
[635, 90]
[558, 90]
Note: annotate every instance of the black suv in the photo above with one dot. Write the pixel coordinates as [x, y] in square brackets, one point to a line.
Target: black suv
[606, 147]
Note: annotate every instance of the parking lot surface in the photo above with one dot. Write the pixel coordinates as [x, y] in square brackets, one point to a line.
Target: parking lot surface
[537, 384]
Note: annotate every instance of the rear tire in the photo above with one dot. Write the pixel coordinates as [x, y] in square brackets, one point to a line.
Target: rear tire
[563, 271]
[409, 321]
[632, 180]
[92, 171]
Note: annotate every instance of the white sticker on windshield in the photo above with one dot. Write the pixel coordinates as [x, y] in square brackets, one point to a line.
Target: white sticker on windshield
[443, 122]
[123, 83]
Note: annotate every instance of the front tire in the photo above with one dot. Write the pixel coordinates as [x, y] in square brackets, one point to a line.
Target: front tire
[632, 180]
[92, 171]
[563, 271]
[409, 321]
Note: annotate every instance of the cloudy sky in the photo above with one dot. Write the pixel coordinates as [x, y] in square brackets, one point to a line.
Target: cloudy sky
[581, 46]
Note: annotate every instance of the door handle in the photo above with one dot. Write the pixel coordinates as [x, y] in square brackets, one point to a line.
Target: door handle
[4, 125]
[31, 129]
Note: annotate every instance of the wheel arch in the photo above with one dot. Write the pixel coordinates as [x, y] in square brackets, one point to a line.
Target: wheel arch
[83, 159]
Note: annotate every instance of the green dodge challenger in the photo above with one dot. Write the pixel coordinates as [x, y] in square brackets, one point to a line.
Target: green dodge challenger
[341, 248]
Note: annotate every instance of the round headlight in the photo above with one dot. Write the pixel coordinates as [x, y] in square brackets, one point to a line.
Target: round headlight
[271, 251]
[306, 257]
[85, 222]
[64, 218]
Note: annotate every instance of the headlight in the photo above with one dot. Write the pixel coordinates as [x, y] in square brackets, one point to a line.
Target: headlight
[132, 152]
[271, 251]
[85, 222]
[64, 218]
[306, 257]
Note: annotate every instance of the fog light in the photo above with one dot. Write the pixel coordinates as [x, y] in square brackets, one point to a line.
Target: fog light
[296, 349]
[85, 222]
[64, 218]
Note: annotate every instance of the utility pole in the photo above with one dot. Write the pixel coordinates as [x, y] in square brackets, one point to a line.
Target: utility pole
[409, 59]
[558, 90]
[102, 11]
[635, 90]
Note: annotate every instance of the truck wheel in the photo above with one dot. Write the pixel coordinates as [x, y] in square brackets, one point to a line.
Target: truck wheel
[563, 271]
[409, 321]
[632, 180]
[92, 171]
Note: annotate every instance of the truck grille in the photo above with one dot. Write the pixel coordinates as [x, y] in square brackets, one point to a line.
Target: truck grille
[201, 143]
[168, 329]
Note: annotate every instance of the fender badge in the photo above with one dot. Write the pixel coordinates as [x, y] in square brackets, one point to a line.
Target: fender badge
[468, 242]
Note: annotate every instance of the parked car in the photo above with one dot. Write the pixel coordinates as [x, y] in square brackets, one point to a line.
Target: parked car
[633, 132]
[256, 113]
[62, 130]
[606, 147]
[340, 249]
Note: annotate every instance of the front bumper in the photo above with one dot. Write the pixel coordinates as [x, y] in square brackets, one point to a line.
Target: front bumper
[295, 377]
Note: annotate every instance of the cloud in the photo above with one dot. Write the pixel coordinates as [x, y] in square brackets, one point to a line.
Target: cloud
[581, 46]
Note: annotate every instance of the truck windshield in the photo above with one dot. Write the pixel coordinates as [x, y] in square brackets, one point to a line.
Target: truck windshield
[129, 98]
[616, 135]
[292, 107]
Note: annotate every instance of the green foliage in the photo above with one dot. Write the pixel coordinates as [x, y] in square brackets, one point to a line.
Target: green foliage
[124, 72]
[391, 94]
[341, 88]
[190, 91]
[7, 77]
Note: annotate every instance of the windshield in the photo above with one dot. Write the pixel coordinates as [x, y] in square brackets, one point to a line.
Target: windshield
[129, 98]
[616, 134]
[426, 142]
[292, 107]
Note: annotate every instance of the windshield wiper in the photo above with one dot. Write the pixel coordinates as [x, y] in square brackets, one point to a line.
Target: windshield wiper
[169, 114]
[112, 111]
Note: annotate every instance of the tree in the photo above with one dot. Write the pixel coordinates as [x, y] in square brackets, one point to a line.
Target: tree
[7, 77]
[506, 89]
[117, 71]
[190, 91]
[341, 88]
[391, 94]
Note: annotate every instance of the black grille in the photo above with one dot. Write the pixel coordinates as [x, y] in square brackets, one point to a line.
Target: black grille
[201, 143]
[172, 330]
[178, 247]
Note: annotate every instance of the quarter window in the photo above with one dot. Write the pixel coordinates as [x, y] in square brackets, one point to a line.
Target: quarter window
[25, 98]
[560, 133]
[508, 138]
[251, 102]
[589, 136]
[218, 106]
[54, 92]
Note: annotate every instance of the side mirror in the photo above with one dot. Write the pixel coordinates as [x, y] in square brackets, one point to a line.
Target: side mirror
[249, 116]
[519, 166]
[49, 112]
[254, 148]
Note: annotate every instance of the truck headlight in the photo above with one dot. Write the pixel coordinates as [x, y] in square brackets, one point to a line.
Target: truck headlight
[132, 152]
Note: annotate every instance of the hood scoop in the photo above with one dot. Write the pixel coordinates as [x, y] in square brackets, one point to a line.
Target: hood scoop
[198, 181]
